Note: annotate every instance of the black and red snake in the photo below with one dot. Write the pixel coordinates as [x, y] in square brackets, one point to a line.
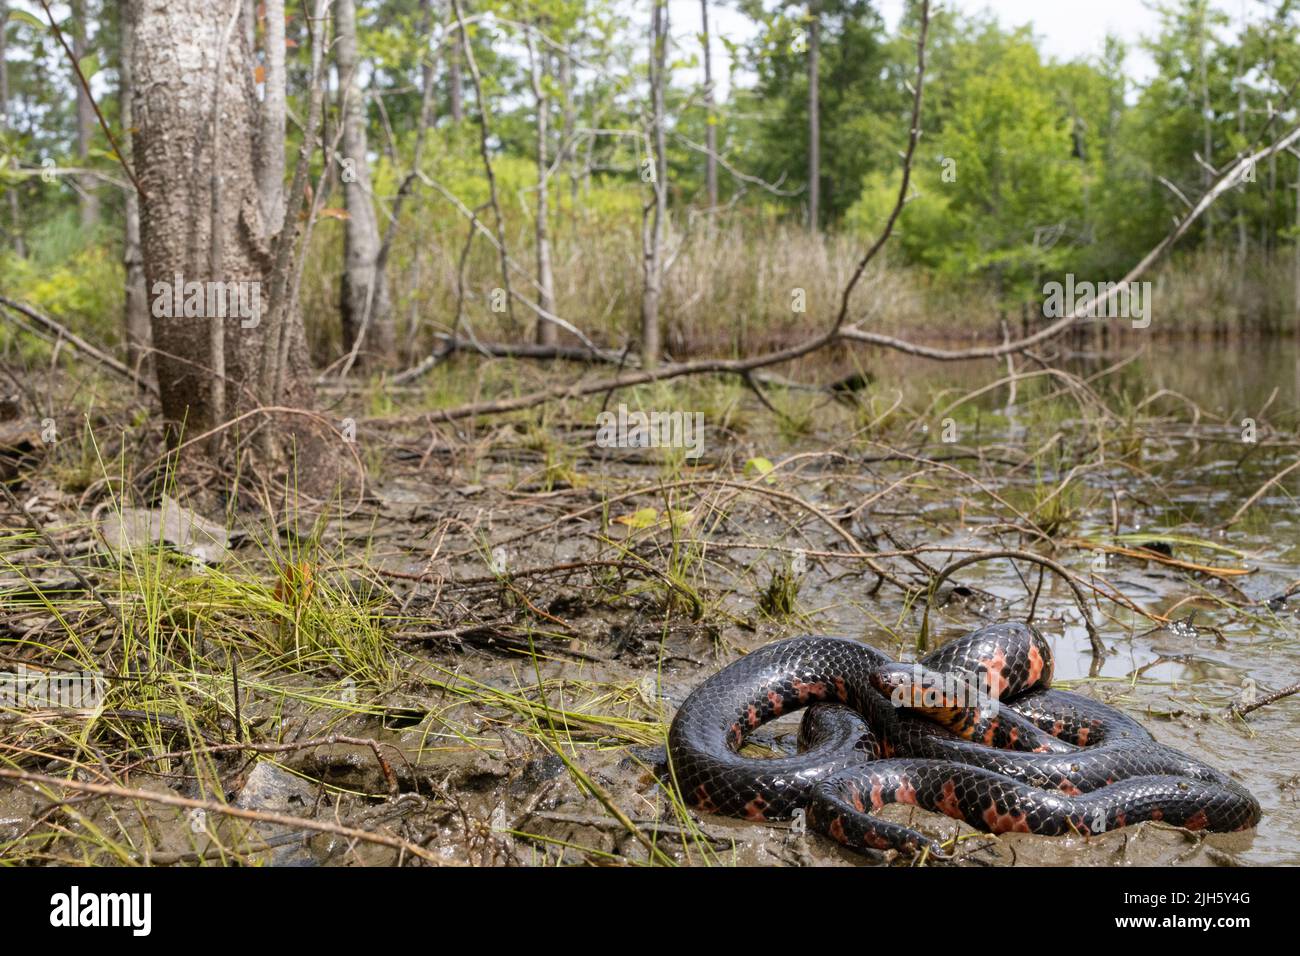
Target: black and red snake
[972, 731]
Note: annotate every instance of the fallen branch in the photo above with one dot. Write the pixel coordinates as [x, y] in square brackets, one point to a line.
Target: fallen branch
[627, 380]
[1142, 554]
[524, 350]
[78, 343]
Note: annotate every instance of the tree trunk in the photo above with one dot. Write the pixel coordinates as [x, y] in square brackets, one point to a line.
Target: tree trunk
[1295, 248]
[1242, 237]
[569, 138]
[180, 154]
[15, 213]
[546, 333]
[814, 118]
[652, 232]
[1207, 129]
[136, 306]
[454, 91]
[427, 67]
[89, 195]
[367, 314]
[270, 140]
[710, 127]
[485, 154]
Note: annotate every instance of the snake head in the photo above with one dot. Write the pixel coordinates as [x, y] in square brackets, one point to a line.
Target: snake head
[901, 683]
[917, 687]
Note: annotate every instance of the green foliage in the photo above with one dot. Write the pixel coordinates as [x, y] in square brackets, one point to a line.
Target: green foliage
[1028, 168]
[78, 284]
[858, 91]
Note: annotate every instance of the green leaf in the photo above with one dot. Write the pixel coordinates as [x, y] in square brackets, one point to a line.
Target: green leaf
[757, 467]
[89, 66]
[679, 518]
[25, 17]
[638, 520]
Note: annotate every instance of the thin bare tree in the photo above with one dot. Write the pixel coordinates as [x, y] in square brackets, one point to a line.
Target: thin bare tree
[367, 311]
[711, 119]
[655, 169]
[135, 309]
[485, 154]
[1295, 247]
[455, 91]
[568, 138]
[814, 115]
[428, 68]
[88, 194]
[546, 332]
[1207, 111]
[15, 211]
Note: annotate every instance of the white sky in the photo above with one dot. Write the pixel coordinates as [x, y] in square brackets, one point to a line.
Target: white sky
[1067, 28]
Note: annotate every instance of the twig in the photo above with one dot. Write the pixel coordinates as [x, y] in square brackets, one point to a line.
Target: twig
[81, 78]
[384, 766]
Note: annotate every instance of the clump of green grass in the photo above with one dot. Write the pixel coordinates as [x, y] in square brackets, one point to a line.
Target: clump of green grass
[781, 596]
[1056, 510]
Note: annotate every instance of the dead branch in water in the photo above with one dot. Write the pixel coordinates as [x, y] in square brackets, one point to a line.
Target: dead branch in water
[1098, 648]
[1259, 493]
[1241, 709]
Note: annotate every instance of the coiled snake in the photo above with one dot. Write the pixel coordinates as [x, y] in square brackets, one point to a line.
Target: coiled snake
[972, 731]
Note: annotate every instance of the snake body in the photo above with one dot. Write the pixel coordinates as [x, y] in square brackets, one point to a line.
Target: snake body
[973, 731]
